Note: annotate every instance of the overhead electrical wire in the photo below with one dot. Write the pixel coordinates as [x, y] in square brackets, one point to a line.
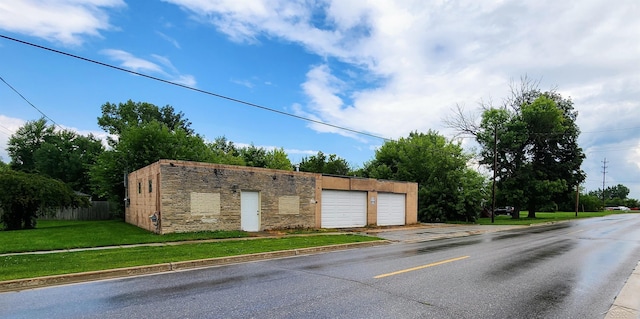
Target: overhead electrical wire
[195, 89]
[5, 130]
[29, 102]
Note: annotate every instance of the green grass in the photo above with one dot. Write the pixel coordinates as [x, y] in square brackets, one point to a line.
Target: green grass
[36, 265]
[545, 217]
[52, 235]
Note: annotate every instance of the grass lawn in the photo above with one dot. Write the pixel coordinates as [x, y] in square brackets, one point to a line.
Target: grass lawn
[36, 265]
[545, 217]
[52, 235]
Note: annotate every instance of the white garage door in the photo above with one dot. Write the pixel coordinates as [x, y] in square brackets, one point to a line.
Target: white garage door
[342, 209]
[391, 209]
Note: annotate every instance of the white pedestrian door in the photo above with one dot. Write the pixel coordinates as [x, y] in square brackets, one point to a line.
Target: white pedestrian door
[250, 211]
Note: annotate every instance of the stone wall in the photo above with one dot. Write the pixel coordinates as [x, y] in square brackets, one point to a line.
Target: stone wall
[179, 196]
[201, 196]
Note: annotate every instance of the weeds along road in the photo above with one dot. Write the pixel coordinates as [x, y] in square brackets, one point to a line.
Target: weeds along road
[565, 270]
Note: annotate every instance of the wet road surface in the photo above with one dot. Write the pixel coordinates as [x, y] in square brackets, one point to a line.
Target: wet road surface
[564, 270]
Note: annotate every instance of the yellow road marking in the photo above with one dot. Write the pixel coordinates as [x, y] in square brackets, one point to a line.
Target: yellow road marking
[420, 267]
[575, 232]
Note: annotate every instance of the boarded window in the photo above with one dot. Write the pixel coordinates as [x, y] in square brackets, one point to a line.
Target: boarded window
[205, 206]
[289, 205]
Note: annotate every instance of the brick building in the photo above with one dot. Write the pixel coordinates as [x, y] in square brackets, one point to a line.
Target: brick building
[178, 196]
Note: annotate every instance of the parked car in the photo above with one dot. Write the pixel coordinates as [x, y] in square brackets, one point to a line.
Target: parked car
[617, 208]
[506, 210]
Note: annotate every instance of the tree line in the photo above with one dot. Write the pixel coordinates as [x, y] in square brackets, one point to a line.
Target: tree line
[529, 143]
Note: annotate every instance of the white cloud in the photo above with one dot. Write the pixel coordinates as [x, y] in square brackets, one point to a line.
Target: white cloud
[169, 39]
[391, 67]
[427, 57]
[64, 21]
[8, 126]
[245, 83]
[129, 61]
[163, 66]
[433, 55]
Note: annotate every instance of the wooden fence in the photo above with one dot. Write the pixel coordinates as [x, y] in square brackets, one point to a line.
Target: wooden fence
[99, 210]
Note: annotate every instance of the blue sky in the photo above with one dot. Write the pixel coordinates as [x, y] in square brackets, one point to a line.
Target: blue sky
[385, 68]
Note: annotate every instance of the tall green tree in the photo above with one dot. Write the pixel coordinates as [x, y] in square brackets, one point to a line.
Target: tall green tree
[254, 156]
[321, 163]
[225, 152]
[277, 158]
[118, 117]
[63, 154]
[447, 188]
[534, 140]
[144, 135]
[68, 156]
[26, 141]
[23, 196]
[612, 195]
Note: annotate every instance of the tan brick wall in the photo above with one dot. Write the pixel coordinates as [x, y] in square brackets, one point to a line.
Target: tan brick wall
[278, 189]
[373, 187]
[201, 196]
[411, 204]
[142, 202]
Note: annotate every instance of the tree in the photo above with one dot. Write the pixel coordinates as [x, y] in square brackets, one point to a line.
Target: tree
[447, 188]
[534, 135]
[613, 195]
[619, 191]
[117, 118]
[225, 152]
[590, 203]
[320, 163]
[277, 159]
[23, 196]
[68, 156]
[139, 146]
[260, 157]
[65, 155]
[25, 142]
[254, 156]
[145, 134]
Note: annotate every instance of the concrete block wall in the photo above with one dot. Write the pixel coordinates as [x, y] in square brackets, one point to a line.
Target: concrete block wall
[287, 199]
[373, 187]
[191, 196]
[142, 196]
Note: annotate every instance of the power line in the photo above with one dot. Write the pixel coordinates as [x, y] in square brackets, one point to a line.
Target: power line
[194, 89]
[604, 174]
[33, 106]
[611, 130]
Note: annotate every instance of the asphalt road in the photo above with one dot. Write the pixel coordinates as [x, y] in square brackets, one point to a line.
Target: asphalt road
[565, 270]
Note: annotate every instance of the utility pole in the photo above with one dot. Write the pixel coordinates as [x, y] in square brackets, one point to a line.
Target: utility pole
[604, 174]
[577, 198]
[495, 164]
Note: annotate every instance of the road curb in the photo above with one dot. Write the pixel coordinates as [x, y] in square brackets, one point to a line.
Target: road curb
[627, 303]
[39, 282]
